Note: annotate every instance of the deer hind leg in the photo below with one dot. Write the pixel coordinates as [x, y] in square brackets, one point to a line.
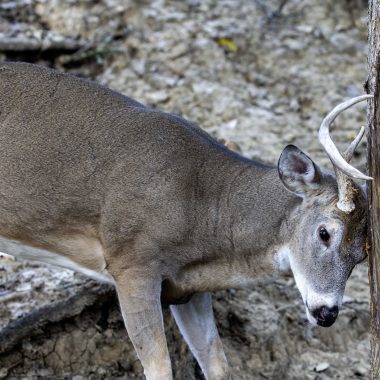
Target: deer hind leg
[195, 320]
[139, 296]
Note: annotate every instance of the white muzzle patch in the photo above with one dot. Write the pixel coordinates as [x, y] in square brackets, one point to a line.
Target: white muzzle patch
[311, 299]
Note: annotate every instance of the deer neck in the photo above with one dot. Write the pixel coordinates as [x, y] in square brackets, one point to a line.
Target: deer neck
[245, 231]
[249, 214]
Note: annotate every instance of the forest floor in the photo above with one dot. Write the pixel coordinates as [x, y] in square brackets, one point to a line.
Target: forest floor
[260, 73]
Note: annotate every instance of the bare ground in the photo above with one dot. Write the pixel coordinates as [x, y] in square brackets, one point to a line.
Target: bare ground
[260, 73]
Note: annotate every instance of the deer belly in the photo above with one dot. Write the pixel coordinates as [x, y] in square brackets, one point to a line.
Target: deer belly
[77, 253]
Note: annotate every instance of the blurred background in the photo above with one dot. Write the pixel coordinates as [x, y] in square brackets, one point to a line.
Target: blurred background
[259, 73]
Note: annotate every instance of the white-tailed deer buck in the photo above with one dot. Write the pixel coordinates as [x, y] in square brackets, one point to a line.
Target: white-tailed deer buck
[97, 182]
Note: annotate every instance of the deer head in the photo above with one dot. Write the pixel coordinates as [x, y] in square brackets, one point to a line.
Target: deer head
[328, 229]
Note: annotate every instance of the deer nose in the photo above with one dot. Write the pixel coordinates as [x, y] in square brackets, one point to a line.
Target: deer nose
[325, 316]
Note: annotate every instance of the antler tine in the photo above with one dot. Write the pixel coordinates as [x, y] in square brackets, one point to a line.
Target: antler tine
[349, 152]
[345, 188]
[329, 146]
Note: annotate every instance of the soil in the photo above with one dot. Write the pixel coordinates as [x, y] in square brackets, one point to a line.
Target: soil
[259, 73]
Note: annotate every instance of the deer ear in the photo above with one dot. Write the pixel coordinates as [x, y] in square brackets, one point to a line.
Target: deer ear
[298, 172]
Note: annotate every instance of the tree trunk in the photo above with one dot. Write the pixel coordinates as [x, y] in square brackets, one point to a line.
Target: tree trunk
[372, 87]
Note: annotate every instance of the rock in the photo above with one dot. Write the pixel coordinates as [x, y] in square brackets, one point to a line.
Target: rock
[3, 373]
[158, 97]
[321, 367]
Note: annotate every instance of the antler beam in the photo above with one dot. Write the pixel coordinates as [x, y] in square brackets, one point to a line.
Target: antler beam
[329, 146]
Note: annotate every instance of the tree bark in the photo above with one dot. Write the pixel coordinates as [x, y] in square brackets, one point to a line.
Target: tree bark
[372, 87]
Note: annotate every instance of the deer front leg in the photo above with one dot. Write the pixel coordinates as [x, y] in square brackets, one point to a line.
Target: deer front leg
[139, 296]
[195, 320]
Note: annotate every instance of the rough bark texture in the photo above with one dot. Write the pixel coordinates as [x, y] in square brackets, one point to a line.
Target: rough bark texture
[374, 187]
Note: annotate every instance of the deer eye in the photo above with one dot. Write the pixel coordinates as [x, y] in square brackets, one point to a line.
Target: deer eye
[324, 235]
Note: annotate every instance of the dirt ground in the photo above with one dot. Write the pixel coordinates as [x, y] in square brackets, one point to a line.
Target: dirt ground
[260, 73]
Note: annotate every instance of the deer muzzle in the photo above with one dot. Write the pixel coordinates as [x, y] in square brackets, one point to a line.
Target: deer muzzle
[325, 316]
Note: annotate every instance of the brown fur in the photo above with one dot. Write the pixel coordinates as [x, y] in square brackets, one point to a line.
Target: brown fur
[150, 198]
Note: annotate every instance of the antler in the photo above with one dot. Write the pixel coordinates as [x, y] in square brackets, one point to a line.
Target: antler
[340, 162]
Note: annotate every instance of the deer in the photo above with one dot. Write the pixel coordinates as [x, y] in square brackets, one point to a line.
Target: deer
[146, 200]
